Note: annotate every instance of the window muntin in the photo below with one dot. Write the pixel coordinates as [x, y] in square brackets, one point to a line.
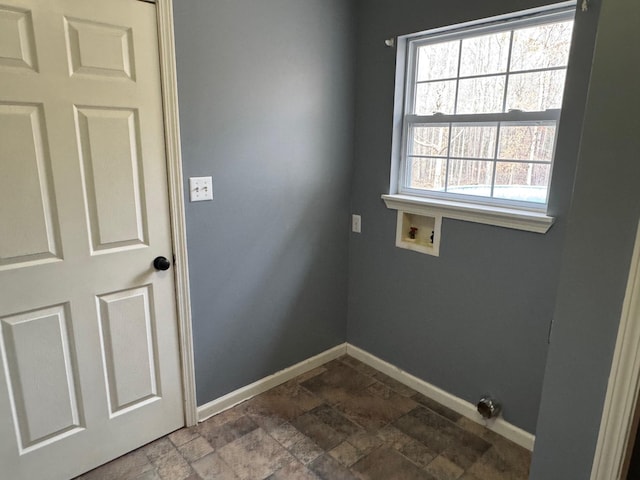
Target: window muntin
[481, 111]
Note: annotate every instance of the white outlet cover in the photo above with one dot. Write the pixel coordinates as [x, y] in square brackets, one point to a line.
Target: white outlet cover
[356, 223]
[200, 189]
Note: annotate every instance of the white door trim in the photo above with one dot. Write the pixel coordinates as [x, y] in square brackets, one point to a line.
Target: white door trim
[624, 382]
[168, 80]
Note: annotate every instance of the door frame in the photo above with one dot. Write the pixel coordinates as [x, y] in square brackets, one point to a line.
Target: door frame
[624, 383]
[168, 81]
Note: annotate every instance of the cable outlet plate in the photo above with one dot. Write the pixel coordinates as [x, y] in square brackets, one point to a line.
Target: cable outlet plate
[200, 189]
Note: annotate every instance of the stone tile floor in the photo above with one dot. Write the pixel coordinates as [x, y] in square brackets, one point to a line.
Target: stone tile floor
[341, 421]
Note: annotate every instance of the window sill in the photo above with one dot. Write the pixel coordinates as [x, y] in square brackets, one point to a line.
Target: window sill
[488, 215]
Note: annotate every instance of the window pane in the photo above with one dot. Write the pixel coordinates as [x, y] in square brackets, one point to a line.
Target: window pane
[486, 54]
[429, 141]
[473, 141]
[526, 182]
[481, 95]
[438, 61]
[542, 46]
[527, 142]
[435, 97]
[427, 173]
[470, 177]
[478, 149]
[536, 91]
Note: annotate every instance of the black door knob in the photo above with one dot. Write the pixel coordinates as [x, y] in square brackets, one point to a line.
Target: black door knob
[161, 263]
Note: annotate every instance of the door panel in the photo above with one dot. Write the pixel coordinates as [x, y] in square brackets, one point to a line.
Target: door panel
[42, 375]
[98, 49]
[129, 348]
[88, 329]
[26, 200]
[16, 38]
[113, 185]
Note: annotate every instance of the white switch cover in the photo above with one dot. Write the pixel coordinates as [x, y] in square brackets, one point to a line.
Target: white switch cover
[200, 189]
[356, 223]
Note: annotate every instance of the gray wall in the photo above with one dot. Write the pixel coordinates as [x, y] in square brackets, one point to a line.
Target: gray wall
[266, 95]
[597, 253]
[476, 319]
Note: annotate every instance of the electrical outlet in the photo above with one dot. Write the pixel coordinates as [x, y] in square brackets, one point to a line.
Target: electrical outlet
[356, 223]
[200, 189]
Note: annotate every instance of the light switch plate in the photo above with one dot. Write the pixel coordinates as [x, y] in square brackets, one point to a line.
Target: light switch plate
[200, 189]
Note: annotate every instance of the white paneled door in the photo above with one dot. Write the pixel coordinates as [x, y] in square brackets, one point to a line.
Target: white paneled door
[90, 364]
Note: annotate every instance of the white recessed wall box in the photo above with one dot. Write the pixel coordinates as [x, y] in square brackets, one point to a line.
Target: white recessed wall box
[418, 232]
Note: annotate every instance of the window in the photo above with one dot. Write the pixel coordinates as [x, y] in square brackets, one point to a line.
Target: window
[481, 109]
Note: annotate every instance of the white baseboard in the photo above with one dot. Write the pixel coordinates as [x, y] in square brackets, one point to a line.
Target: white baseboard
[256, 388]
[500, 426]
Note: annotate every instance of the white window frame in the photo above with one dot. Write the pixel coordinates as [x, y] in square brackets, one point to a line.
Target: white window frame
[494, 211]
